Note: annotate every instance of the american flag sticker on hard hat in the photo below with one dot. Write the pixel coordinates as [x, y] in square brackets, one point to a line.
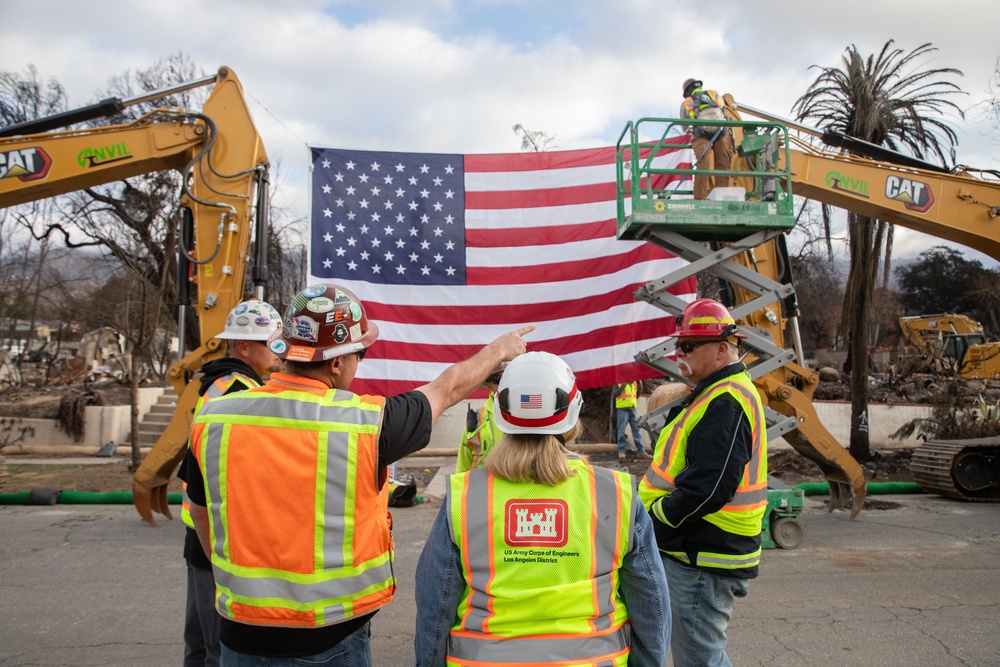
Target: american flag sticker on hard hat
[531, 401]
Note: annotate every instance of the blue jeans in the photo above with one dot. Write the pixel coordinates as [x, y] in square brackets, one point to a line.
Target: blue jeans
[354, 651]
[624, 417]
[201, 620]
[701, 604]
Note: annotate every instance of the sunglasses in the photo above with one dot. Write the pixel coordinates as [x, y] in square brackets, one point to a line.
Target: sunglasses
[361, 353]
[688, 346]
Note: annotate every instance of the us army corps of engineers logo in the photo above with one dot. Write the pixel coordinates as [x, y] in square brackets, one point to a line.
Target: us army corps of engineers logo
[534, 531]
[535, 523]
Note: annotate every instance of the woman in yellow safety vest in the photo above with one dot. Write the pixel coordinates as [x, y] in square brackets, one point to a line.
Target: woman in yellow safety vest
[538, 557]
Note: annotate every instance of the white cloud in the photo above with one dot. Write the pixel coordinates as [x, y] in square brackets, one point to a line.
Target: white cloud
[453, 76]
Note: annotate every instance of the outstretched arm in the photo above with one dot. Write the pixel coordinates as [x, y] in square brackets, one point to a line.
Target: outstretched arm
[460, 380]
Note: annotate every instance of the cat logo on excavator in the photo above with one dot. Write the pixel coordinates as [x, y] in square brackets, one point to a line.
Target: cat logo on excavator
[26, 164]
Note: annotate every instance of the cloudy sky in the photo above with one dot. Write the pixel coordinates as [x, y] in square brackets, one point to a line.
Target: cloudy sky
[456, 75]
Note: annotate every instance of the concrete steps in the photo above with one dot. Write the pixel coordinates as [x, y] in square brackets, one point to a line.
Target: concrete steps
[155, 422]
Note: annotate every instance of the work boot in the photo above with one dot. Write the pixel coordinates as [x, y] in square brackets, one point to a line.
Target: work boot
[643, 454]
[621, 457]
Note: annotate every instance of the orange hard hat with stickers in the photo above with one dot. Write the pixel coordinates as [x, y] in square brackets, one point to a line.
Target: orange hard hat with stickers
[323, 321]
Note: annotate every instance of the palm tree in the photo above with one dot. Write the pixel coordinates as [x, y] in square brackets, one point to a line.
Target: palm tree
[892, 101]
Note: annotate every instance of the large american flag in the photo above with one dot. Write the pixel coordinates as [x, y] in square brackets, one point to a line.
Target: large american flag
[448, 252]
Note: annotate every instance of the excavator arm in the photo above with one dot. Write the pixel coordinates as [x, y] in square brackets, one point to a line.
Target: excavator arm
[224, 167]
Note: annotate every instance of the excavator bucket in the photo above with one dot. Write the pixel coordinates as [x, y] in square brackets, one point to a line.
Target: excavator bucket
[149, 483]
[813, 441]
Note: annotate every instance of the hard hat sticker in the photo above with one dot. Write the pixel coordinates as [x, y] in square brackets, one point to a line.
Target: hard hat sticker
[313, 290]
[356, 332]
[299, 353]
[278, 346]
[340, 297]
[240, 309]
[262, 321]
[356, 312]
[339, 333]
[320, 304]
[242, 321]
[305, 328]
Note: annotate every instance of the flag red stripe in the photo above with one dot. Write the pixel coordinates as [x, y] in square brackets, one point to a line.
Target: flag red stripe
[489, 314]
[529, 236]
[538, 161]
[508, 199]
[561, 271]
[610, 335]
[585, 157]
[587, 379]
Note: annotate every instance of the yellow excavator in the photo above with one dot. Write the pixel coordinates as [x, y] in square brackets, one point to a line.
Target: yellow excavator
[738, 235]
[224, 205]
[953, 343]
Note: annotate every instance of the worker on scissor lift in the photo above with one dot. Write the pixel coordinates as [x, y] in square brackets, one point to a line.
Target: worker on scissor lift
[707, 141]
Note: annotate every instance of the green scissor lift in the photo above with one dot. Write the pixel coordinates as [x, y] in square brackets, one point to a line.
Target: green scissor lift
[655, 203]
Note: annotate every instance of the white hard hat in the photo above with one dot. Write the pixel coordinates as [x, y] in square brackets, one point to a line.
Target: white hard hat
[251, 320]
[538, 394]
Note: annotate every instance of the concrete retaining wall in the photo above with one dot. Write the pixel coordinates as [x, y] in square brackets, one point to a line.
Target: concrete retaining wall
[103, 424]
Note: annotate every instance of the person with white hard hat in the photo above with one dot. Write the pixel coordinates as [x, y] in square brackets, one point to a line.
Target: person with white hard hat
[538, 557]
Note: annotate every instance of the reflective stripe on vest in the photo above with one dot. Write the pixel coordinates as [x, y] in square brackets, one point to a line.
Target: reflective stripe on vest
[301, 536]
[218, 388]
[744, 513]
[564, 544]
[626, 399]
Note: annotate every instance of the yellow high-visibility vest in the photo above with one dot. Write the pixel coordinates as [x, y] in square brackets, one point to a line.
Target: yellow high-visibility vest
[626, 398]
[541, 568]
[743, 515]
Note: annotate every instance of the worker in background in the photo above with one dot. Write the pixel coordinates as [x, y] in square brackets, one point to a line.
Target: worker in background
[248, 362]
[538, 557]
[294, 479]
[625, 396]
[707, 141]
[480, 431]
[707, 485]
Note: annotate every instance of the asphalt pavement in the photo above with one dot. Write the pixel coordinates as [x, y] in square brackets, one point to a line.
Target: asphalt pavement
[917, 583]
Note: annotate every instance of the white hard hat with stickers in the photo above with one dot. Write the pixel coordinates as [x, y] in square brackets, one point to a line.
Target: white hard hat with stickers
[252, 319]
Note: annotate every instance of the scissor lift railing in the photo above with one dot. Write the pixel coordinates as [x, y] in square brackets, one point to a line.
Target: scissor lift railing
[651, 195]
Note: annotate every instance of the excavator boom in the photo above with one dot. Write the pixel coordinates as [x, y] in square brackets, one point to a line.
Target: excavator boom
[224, 173]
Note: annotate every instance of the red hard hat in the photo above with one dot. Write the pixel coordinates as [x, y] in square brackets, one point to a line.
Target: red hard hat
[322, 322]
[706, 318]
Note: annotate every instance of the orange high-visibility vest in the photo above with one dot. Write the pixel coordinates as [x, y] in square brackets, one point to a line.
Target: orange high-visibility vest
[300, 529]
[541, 568]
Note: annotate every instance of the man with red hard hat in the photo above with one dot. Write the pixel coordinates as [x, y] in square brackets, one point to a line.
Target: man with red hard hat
[293, 510]
[706, 488]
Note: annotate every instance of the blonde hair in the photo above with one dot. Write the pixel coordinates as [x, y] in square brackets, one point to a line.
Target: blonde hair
[541, 459]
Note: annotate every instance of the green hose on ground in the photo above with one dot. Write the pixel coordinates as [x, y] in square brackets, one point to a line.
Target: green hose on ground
[874, 488]
[83, 498]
